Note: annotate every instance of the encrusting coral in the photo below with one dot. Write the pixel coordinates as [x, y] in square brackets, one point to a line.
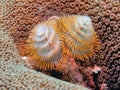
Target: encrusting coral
[16, 76]
[18, 17]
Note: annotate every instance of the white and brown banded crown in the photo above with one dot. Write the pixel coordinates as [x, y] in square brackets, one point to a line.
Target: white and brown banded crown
[79, 36]
[46, 46]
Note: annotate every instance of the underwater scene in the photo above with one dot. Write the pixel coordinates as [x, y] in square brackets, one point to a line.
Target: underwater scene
[59, 44]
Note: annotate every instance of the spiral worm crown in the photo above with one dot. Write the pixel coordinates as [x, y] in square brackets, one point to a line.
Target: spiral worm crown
[79, 36]
[45, 46]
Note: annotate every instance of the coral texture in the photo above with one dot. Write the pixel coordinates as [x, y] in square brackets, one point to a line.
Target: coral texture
[15, 76]
[20, 16]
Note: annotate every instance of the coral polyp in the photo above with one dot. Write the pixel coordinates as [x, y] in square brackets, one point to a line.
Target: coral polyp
[45, 46]
[79, 36]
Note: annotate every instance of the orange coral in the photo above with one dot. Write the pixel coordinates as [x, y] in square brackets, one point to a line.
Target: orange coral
[100, 15]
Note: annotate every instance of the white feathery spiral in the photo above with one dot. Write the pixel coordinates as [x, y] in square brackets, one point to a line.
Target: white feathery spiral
[80, 36]
[84, 26]
[46, 42]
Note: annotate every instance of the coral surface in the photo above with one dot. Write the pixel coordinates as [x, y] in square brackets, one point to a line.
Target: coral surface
[16, 76]
[18, 17]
